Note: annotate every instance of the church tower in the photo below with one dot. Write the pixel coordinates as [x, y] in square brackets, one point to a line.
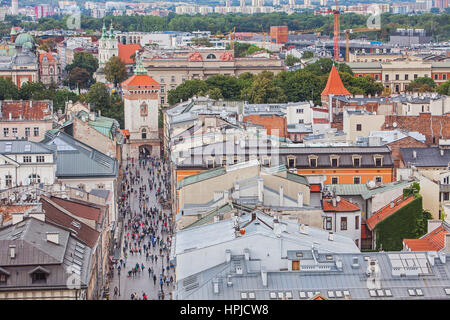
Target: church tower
[141, 113]
[108, 45]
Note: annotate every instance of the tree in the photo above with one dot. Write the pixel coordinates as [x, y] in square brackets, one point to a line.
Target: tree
[99, 97]
[307, 55]
[84, 61]
[444, 88]
[291, 60]
[186, 90]
[228, 86]
[8, 89]
[422, 84]
[263, 90]
[33, 91]
[115, 70]
[202, 42]
[78, 78]
[215, 93]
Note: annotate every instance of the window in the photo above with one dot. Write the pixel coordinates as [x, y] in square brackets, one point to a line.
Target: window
[14, 132]
[210, 56]
[334, 162]
[376, 77]
[3, 278]
[425, 75]
[406, 77]
[300, 121]
[358, 127]
[334, 180]
[313, 162]
[162, 100]
[357, 223]
[162, 79]
[378, 179]
[172, 78]
[397, 77]
[39, 277]
[356, 162]
[444, 77]
[378, 161]
[343, 223]
[40, 159]
[356, 180]
[8, 180]
[328, 223]
[27, 132]
[162, 89]
[27, 159]
[299, 110]
[445, 195]
[183, 79]
[144, 134]
[210, 163]
[291, 161]
[386, 77]
[34, 178]
[5, 132]
[416, 76]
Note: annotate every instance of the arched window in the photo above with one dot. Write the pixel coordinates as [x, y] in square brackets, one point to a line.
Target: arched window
[211, 56]
[51, 70]
[144, 134]
[144, 109]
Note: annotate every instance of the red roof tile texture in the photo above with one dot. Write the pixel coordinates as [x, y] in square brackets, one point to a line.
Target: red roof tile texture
[25, 110]
[50, 58]
[387, 211]
[275, 125]
[334, 85]
[126, 51]
[433, 241]
[140, 80]
[341, 206]
[79, 209]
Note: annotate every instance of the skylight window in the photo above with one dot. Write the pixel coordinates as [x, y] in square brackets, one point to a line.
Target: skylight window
[346, 293]
[251, 295]
[303, 294]
[243, 295]
[372, 293]
[380, 292]
[273, 295]
[280, 295]
[419, 292]
[289, 294]
[310, 294]
[411, 292]
[447, 291]
[388, 293]
[330, 294]
[339, 294]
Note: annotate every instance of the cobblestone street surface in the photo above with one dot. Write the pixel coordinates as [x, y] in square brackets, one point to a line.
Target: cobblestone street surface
[146, 225]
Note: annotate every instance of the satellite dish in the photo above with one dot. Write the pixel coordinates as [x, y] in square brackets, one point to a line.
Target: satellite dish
[24, 197]
[12, 198]
[394, 124]
[338, 198]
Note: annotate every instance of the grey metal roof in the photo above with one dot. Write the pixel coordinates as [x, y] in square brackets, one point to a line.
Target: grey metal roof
[364, 191]
[426, 157]
[23, 147]
[332, 283]
[76, 159]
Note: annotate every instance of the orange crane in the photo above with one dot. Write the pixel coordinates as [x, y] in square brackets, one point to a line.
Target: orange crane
[347, 39]
[337, 28]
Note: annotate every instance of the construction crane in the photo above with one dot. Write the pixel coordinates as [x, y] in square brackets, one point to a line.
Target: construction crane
[317, 31]
[347, 39]
[337, 28]
[232, 38]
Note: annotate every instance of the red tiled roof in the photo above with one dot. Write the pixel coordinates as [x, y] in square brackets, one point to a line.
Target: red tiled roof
[82, 210]
[433, 241]
[126, 51]
[126, 132]
[50, 58]
[341, 206]
[334, 85]
[22, 109]
[53, 214]
[7, 210]
[320, 109]
[387, 211]
[140, 80]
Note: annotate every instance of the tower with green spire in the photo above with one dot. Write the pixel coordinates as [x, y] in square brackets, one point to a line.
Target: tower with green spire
[139, 69]
[111, 32]
[104, 31]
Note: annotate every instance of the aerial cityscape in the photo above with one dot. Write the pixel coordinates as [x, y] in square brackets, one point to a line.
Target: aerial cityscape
[225, 150]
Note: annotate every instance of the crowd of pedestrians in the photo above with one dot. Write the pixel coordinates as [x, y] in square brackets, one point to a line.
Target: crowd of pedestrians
[148, 229]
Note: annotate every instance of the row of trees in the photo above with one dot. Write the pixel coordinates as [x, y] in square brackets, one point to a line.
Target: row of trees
[265, 87]
[437, 25]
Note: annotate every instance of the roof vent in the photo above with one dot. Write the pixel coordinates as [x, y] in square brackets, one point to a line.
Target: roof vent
[229, 282]
[414, 154]
[12, 252]
[331, 236]
[304, 229]
[216, 286]
[355, 263]
[53, 237]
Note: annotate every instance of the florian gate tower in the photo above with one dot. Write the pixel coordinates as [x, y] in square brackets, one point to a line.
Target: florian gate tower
[141, 112]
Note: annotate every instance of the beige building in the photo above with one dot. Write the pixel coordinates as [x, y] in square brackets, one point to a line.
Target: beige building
[360, 123]
[172, 68]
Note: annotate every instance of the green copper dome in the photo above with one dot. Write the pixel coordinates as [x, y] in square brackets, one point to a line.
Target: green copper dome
[28, 45]
[23, 38]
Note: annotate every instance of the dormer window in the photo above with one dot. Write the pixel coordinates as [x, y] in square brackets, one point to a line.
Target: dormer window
[291, 161]
[210, 162]
[3, 276]
[313, 161]
[378, 159]
[334, 161]
[356, 161]
[39, 275]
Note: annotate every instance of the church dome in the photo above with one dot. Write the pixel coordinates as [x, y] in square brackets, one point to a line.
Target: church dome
[28, 45]
[23, 38]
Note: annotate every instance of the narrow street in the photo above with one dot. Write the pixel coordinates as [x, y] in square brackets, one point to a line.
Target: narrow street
[151, 226]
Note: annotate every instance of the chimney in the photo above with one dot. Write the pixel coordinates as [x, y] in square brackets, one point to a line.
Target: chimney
[442, 152]
[333, 201]
[53, 237]
[228, 255]
[12, 252]
[260, 189]
[247, 254]
[300, 199]
[330, 236]
[442, 256]
[277, 227]
[264, 276]
[414, 154]
[304, 229]
[16, 217]
[339, 264]
[281, 196]
[216, 286]
[10, 116]
[253, 216]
